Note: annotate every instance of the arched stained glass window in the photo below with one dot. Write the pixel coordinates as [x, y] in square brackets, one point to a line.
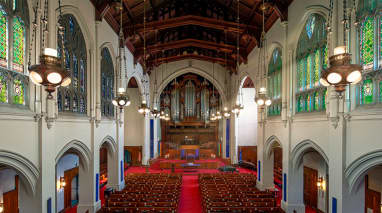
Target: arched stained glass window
[274, 81]
[369, 21]
[14, 22]
[75, 96]
[312, 57]
[107, 83]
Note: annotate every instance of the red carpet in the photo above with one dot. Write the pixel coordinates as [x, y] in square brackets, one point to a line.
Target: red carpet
[72, 210]
[190, 198]
[309, 210]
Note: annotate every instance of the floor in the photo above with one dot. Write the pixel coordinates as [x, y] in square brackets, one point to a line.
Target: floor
[190, 198]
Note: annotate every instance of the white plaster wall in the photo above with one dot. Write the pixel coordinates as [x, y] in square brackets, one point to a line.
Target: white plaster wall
[67, 162]
[134, 122]
[247, 121]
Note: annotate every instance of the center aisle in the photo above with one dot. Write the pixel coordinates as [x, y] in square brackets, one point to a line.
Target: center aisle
[190, 198]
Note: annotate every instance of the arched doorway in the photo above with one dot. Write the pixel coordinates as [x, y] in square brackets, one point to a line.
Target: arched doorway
[134, 127]
[246, 122]
[73, 178]
[310, 167]
[108, 167]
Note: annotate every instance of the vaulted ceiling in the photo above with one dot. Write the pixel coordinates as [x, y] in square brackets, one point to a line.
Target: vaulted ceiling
[191, 29]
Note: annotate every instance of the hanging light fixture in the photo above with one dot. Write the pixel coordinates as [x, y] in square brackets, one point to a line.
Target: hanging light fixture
[143, 109]
[155, 112]
[50, 72]
[341, 72]
[262, 98]
[226, 112]
[121, 99]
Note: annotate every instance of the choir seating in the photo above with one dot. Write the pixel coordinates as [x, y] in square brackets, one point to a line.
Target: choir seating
[224, 192]
[146, 193]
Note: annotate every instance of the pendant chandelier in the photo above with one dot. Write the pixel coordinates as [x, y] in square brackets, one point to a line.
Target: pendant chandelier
[238, 106]
[341, 72]
[155, 112]
[262, 98]
[226, 111]
[121, 99]
[51, 72]
[215, 115]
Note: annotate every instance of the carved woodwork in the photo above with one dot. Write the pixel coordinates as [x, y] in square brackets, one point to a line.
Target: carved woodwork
[136, 154]
[248, 153]
[310, 187]
[69, 175]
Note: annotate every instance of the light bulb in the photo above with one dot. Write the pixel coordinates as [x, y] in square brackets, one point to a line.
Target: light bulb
[66, 82]
[339, 50]
[140, 110]
[115, 103]
[35, 78]
[260, 102]
[353, 76]
[50, 52]
[121, 90]
[263, 90]
[54, 78]
[122, 102]
[334, 78]
[147, 110]
[323, 82]
[128, 103]
[268, 102]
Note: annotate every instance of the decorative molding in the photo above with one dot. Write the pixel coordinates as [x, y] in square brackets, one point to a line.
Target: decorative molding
[23, 166]
[38, 117]
[334, 121]
[49, 122]
[80, 148]
[111, 144]
[300, 149]
[269, 145]
[360, 166]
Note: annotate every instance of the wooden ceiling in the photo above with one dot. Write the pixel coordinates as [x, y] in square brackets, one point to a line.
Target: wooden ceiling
[197, 29]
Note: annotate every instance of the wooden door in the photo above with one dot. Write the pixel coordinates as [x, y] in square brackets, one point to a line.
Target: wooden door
[310, 187]
[11, 199]
[372, 198]
[68, 176]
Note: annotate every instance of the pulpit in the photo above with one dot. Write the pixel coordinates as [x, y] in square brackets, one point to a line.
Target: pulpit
[189, 152]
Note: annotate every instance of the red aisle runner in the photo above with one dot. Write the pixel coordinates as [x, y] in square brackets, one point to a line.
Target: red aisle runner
[190, 198]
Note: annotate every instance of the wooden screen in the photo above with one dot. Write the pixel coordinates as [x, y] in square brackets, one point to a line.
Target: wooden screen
[103, 162]
[310, 187]
[69, 175]
[248, 153]
[372, 198]
[11, 199]
[135, 154]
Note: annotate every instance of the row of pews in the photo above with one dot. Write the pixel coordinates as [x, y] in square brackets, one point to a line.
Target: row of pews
[234, 193]
[146, 193]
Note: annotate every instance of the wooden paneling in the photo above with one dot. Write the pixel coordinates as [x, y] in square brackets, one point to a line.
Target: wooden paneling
[310, 187]
[136, 154]
[69, 175]
[248, 153]
[103, 162]
[11, 199]
[372, 198]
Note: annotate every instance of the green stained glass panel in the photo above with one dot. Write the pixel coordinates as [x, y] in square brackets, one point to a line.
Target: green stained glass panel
[309, 72]
[18, 96]
[324, 99]
[3, 38]
[367, 42]
[18, 44]
[316, 102]
[3, 90]
[316, 68]
[380, 91]
[325, 57]
[367, 91]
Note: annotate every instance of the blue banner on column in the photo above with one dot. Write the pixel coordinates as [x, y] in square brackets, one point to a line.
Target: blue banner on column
[259, 170]
[97, 186]
[122, 170]
[227, 145]
[158, 148]
[334, 205]
[49, 205]
[151, 138]
[285, 187]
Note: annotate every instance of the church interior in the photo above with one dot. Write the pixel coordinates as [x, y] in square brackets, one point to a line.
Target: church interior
[190, 106]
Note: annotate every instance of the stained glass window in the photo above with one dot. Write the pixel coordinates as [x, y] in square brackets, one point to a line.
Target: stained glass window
[3, 39]
[312, 57]
[14, 19]
[275, 81]
[74, 99]
[370, 50]
[107, 83]
[367, 43]
[18, 44]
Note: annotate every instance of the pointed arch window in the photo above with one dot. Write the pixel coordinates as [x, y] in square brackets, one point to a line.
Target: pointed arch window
[14, 22]
[275, 82]
[312, 53]
[369, 19]
[107, 83]
[74, 97]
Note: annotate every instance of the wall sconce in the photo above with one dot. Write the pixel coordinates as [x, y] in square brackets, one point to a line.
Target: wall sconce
[321, 184]
[61, 183]
[1, 207]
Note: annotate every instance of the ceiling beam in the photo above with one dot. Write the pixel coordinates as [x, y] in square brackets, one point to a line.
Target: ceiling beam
[193, 20]
[281, 11]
